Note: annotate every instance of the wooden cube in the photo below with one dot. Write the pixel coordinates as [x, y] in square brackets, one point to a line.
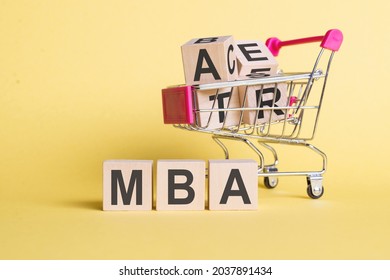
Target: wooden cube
[127, 184]
[266, 97]
[209, 60]
[254, 58]
[210, 100]
[180, 185]
[233, 185]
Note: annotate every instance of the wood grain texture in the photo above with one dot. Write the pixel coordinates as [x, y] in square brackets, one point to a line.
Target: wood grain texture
[223, 98]
[208, 60]
[180, 185]
[233, 185]
[254, 57]
[127, 184]
[267, 98]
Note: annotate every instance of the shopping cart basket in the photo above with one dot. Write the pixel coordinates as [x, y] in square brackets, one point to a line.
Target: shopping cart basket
[290, 120]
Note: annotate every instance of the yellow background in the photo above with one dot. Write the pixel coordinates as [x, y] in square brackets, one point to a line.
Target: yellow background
[80, 83]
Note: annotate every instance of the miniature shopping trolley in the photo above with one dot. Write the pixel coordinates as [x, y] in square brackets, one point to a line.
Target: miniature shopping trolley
[262, 110]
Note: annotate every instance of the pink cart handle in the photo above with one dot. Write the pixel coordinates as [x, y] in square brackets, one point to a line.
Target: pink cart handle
[331, 40]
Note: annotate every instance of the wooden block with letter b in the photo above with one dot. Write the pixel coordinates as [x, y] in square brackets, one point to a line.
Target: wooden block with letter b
[181, 185]
[127, 184]
[218, 101]
[209, 60]
[233, 185]
[267, 98]
[254, 59]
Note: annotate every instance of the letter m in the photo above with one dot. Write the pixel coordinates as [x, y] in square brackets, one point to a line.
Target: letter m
[126, 193]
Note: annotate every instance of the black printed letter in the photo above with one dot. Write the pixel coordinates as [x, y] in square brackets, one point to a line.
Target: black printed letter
[220, 98]
[172, 186]
[247, 53]
[231, 69]
[136, 178]
[206, 40]
[203, 54]
[269, 102]
[235, 175]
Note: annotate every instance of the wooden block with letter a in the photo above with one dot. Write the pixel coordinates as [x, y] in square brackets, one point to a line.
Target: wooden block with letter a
[233, 185]
[221, 99]
[127, 184]
[209, 60]
[254, 59]
[181, 185]
[267, 98]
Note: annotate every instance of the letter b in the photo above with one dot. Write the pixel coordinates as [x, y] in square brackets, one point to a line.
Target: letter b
[180, 185]
[186, 187]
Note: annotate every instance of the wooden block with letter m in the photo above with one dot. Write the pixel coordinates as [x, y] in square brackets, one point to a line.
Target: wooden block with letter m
[127, 184]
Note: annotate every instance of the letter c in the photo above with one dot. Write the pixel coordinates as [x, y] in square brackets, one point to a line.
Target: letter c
[231, 69]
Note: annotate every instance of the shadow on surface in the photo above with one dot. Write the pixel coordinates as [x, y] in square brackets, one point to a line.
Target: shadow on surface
[89, 205]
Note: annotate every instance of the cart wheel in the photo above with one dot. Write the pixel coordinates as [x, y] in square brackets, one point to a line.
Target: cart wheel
[271, 182]
[316, 194]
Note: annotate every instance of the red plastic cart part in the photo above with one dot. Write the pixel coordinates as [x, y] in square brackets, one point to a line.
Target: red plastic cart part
[177, 105]
[332, 40]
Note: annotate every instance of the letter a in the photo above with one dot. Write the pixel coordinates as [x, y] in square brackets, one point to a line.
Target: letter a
[235, 175]
[204, 55]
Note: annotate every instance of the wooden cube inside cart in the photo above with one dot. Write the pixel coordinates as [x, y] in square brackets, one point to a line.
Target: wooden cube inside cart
[233, 185]
[180, 185]
[254, 59]
[127, 185]
[215, 104]
[209, 60]
[265, 101]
